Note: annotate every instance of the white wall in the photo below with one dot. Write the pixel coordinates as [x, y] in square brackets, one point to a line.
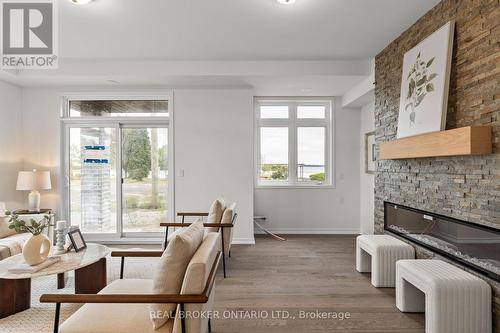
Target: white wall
[367, 181]
[11, 153]
[214, 153]
[213, 145]
[41, 139]
[324, 210]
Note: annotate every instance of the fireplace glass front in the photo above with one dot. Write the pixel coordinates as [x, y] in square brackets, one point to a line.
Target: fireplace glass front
[473, 245]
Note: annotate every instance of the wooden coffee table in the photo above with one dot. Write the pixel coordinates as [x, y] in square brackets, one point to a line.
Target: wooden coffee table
[90, 277]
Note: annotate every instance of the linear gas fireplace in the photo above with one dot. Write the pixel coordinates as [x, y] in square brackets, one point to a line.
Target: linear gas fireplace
[473, 245]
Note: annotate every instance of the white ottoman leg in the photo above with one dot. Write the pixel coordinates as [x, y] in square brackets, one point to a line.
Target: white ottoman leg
[472, 313]
[383, 269]
[384, 265]
[408, 297]
[363, 260]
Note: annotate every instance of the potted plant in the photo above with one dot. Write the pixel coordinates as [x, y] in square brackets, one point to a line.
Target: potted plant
[37, 247]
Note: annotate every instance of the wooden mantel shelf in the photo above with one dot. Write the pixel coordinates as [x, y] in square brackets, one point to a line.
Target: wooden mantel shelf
[470, 140]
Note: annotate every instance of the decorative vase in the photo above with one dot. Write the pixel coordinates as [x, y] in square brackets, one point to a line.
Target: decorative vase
[36, 249]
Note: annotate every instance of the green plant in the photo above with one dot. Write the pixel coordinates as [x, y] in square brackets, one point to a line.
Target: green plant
[279, 172]
[320, 176]
[419, 84]
[36, 228]
[275, 171]
[136, 153]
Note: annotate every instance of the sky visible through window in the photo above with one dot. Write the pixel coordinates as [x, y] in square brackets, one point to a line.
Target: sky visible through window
[274, 145]
[311, 145]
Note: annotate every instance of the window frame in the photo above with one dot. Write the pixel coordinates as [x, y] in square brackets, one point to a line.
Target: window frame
[293, 123]
[67, 122]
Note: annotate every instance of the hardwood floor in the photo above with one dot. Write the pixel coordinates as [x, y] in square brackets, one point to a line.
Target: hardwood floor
[305, 273]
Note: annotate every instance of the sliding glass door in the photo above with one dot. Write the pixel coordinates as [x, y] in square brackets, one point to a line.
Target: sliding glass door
[117, 169]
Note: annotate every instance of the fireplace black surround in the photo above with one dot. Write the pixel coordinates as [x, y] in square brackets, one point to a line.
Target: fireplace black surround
[473, 245]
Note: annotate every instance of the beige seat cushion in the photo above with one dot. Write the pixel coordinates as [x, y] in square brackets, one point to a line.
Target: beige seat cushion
[196, 277]
[4, 227]
[172, 266]
[116, 318]
[215, 213]
[227, 218]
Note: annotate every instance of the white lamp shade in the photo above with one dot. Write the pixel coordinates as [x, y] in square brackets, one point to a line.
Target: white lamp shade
[33, 180]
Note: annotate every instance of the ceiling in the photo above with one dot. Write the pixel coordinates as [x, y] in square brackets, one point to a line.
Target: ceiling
[234, 29]
[132, 34]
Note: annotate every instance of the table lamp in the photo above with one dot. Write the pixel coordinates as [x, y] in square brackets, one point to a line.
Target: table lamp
[33, 181]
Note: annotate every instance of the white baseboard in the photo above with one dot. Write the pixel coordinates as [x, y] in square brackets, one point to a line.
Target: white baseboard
[315, 231]
[244, 241]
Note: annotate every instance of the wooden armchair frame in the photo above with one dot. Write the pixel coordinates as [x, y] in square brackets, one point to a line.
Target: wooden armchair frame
[179, 299]
[214, 225]
[125, 253]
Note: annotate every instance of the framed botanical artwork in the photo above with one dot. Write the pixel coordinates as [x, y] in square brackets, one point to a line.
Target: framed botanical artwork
[370, 157]
[425, 84]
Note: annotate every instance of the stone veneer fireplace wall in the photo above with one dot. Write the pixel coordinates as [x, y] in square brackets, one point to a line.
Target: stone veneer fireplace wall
[466, 188]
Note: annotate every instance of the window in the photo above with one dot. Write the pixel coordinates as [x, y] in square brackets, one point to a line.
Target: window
[294, 140]
[116, 160]
[118, 108]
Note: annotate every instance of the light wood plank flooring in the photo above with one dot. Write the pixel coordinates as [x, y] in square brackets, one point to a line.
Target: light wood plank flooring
[306, 273]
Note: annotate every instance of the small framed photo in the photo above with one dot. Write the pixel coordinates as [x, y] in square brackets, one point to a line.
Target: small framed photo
[77, 240]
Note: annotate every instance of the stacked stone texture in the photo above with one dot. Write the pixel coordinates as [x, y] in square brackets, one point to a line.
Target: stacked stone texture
[467, 188]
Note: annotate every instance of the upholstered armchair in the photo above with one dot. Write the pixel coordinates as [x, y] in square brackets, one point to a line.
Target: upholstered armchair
[220, 219]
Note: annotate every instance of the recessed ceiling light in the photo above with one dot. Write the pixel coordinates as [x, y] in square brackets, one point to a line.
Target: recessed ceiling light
[81, 2]
[286, 2]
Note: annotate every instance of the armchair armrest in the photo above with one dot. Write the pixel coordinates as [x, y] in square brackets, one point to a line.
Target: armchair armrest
[122, 298]
[187, 224]
[143, 254]
[136, 254]
[219, 225]
[191, 214]
[175, 224]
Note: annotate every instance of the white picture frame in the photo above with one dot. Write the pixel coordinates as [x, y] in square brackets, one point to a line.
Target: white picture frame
[425, 84]
[370, 158]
